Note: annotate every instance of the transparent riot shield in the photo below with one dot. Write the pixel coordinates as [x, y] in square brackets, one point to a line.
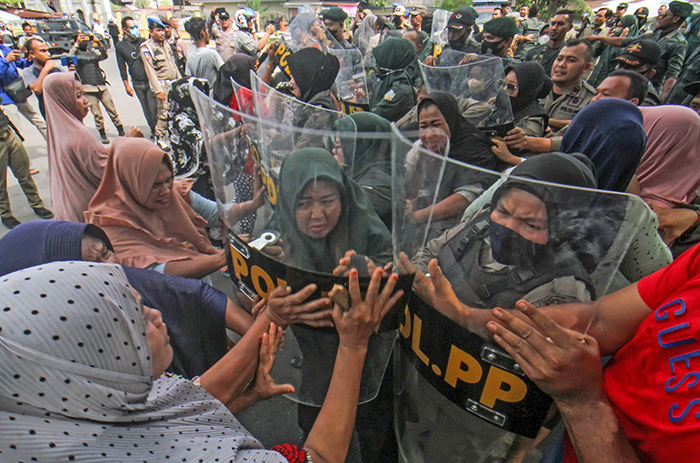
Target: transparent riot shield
[479, 89]
[351, 82]
[310, 216]
[438, 34]
[459, 396]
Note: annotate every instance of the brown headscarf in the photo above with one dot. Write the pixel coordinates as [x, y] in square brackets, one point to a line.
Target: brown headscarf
[76, 158]
[140, 236]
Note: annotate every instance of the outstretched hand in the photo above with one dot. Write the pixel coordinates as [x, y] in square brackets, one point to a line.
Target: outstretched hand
[264, 386]
[563, 363]
[357, 324]
[285, 308]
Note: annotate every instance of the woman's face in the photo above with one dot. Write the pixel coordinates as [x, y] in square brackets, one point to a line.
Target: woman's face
[295, 87]
[523, 213]
[433, 130]
[81, 101]
[512, 84]
[159, 196]
[95, 250]
[158, 339]
[477, 80]
[318, 209]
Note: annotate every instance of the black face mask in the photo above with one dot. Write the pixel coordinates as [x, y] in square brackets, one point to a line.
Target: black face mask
[490, 48]
[459, 43]
[509, 248]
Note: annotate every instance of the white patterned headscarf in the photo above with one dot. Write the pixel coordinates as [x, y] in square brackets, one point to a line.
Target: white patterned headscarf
[76, 385]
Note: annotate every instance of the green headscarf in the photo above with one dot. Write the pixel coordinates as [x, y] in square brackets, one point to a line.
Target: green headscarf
[393, 56]
[630, 21]
[359, 228]
[371, 164]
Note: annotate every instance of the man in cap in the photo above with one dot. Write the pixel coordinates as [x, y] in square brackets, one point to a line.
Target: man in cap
[671, 40]
[222, 33]
[642, 57]
[160, 67]
[693, 91]
[497, 37]
[459, 31]
[642, 14]
[559, 25]
[620, 11]
[334, 20]
[177, 45]
[417, 15]
[246, 43]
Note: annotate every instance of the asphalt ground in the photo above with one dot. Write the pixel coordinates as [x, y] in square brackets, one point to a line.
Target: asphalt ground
[272, 422]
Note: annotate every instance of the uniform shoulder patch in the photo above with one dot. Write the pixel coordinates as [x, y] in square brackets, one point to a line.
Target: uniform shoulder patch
[390, 95]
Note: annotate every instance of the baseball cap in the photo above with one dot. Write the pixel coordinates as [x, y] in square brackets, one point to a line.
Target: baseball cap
[643, 51]
[460, 18]
[418, 9]
[224, 15]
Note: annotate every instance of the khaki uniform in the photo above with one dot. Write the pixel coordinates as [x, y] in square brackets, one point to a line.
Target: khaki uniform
[569, 104]
[673, 49]
[160, 67]
[225, 40]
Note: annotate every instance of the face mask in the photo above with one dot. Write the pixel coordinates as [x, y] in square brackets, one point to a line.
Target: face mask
[490, 48]
[457, 44]
[134, 32]
[509, 248]
[476, 85]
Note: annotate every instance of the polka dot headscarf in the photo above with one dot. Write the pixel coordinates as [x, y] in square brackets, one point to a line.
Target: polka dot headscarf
[76, 385]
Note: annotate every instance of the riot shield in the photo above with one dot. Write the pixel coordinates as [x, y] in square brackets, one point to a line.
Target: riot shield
[479, 89]
[351, 82]
[459, 396]
[438, 34]
[311, 215]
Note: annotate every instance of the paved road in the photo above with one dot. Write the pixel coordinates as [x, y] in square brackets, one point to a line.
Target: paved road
[273, 421]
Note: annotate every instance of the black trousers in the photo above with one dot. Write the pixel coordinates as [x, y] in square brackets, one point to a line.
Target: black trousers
[149, 103]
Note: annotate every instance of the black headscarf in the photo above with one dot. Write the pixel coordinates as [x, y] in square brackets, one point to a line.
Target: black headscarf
[313, 71]
[359, 228]
[467, 143]
[238, 68]
[533, 84]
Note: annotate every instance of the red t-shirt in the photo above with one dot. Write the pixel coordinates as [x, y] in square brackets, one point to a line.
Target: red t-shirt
[653, 382]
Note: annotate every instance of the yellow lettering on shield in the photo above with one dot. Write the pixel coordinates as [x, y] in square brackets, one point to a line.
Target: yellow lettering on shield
[473, 372]
[493, 389]
[240, 268]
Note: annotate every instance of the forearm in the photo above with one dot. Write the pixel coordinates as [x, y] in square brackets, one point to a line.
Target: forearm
[330, 436]
[126, 83]
[612, 41]
[448, 207]
[263, 41]
[237, 319]
[197, 267]
[267, 75]
[595, 433]
[556, 124]
[241, 210]
[668, 85]
[230, 375]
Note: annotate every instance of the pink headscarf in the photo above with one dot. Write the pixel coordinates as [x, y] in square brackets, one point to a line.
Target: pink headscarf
[141, 236]
[76, 158]
[669, 172]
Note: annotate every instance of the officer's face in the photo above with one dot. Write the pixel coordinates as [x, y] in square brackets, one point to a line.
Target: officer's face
[457, 35]
[158, 34]
[570, 65]
[524, 11]
[416, 20]
[667, 20]
[81, 101]
[433, 130]
[695, 104]
[599, 19]
[613, 87]
[318, 209]
[620, 11]
[558, 27]
[335, 28]
[523, 213]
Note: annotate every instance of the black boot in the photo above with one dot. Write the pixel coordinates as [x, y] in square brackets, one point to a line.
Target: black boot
[120, 129]
[103, 137]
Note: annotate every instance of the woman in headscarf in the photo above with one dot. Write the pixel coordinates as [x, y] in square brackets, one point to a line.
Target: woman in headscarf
[313, 74]
[362, 37]
[371, 162]
[439, 120]
[238, 68]
[82, 376]
[322, 213]
[669, 172]
[196, 313]
[76, 158]
[625, 26]
[392, 94]
[610, 133]
[526, 83]
[146, 216]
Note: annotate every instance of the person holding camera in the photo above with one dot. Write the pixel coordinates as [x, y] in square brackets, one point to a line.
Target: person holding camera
[223, 33]
[89, 52]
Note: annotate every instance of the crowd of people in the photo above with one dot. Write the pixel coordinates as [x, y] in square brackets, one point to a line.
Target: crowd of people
[538, 182]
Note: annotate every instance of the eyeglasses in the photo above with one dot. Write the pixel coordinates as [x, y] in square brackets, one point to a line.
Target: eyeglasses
[511, 88]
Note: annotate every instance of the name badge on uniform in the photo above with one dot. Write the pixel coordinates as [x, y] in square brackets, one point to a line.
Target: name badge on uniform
[390, 95]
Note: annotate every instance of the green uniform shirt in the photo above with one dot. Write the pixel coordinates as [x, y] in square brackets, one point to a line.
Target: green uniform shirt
[689, 73]
[673, 47]
[544, 55]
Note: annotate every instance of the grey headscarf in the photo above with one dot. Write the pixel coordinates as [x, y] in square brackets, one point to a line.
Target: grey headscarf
[76, 379]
